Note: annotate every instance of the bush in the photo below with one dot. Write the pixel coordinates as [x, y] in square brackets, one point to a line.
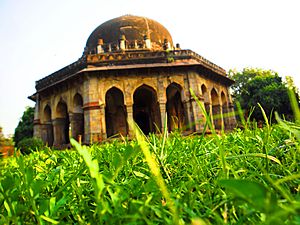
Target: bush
[27, 145]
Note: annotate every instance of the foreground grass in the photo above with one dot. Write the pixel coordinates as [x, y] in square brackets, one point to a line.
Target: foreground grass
[245, 177]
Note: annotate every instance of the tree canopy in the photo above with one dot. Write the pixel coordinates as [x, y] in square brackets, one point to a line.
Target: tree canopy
[25, 126]
[266, 87]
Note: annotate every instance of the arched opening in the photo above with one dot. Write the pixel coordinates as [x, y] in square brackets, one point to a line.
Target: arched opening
[175, 109]
[146, 111]
[62, 123]
[225, 110]
[77, 118]
[47, 114]
[216, 112]
[115, 113]
[47, 131]
[205, 98]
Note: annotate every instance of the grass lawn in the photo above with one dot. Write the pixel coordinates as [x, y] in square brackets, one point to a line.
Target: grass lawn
[249, 176]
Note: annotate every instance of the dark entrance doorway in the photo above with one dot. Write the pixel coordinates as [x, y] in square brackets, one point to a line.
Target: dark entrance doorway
[47, 133]
[62, 124]
[77, 119]
[115, 113]
[175, 109]
[142, 119]
[146, 110]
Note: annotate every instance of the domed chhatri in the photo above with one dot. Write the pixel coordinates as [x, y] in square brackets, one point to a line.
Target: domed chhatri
[130, 70]
[134, 30]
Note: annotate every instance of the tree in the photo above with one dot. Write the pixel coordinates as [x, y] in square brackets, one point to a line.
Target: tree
[266, 87]
[25, 126]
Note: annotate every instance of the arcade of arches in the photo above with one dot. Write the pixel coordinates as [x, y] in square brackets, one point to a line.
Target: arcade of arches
[130, 69]
[72, 117]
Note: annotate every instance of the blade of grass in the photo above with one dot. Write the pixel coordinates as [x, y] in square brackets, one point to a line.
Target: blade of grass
[260, 155]
[154, 168]
[267, 136]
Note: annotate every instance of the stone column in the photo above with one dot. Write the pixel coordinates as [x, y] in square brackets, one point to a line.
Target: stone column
[93, 120]
[129, 110]
[59, 131]
[94, 111]
[222, 118]
[190, 83]
[102, 122]
[36, 121]
[162, 107]
[198, 114]
[188, 112]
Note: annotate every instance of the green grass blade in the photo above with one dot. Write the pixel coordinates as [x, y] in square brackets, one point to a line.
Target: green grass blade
[154, 168]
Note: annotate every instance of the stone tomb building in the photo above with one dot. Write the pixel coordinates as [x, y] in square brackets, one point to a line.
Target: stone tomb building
[130, 69]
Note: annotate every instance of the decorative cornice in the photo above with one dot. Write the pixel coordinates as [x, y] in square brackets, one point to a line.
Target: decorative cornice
[130, 60]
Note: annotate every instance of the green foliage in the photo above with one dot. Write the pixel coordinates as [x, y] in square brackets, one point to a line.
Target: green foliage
[265, 87]
[25, 126]
[212, 180]
[27, 145]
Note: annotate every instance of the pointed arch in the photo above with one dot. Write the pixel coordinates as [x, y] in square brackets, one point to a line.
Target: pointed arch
[77, 103]
[205, 96]
[146, 112]
[115, 113]
[223, 98]
[214, 97]
[174, 107]
[47, 114]
[77, 118]
[47, 131]
[61, 124]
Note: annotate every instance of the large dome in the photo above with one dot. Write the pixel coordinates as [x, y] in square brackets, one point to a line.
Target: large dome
[134, 28]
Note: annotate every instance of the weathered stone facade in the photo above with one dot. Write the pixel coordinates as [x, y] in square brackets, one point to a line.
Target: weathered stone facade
[134, 78]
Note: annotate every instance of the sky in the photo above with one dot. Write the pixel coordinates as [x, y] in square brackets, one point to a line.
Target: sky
[38, 37]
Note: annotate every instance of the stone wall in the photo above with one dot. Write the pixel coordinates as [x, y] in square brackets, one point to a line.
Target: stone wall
[89, 124]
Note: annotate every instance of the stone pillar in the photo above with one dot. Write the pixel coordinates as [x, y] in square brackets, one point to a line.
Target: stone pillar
[102, 122]
[94, 111]
[59, 131]
[147, 41]
[188, 113]
[188, 108]
[198, 114]
[36, 121]
[136, 44]
[222, 118]
[129, 110]
[99, 46]
[93, 120]
[163, 106]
